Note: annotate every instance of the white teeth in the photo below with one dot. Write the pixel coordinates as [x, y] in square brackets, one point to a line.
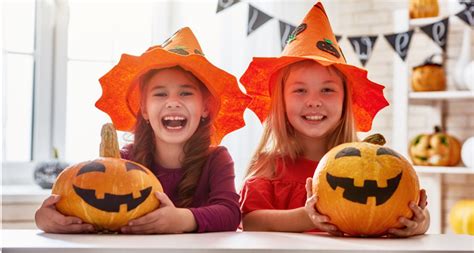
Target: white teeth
[174, 128]
[173, 118]
[314, 117]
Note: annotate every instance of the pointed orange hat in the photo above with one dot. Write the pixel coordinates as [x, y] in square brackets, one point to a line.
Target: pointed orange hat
[313, 39]
[121, 94]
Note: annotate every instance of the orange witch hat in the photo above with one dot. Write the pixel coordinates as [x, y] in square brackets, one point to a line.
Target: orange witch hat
[121, 94]
[313, 39]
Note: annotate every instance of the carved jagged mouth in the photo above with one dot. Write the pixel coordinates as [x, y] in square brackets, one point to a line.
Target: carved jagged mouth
[370, 189]
[111, 202]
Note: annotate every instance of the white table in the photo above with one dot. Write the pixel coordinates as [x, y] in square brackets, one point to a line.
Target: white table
[39, 242]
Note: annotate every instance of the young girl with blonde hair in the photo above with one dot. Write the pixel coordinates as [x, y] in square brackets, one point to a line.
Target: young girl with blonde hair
[310, 101]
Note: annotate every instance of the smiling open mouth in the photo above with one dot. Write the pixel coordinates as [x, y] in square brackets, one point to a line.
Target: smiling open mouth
[314, 118]
[370, 189]
[111, 202]
[174, 122]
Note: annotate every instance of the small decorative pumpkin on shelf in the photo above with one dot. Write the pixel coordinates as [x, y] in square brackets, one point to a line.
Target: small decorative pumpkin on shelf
[109, 191]
[423, 8]
[429, 76]
[461, 217]
[364, 187]
[436, 149]
[45, 173]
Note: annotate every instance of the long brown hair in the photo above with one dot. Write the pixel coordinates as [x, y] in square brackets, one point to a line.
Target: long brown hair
[279, 139]
[196, 150]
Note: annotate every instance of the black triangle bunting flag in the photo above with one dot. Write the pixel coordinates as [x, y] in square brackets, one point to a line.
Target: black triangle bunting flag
[363, 46]
[400, 42]
[224, 4]
[285, 31]
[467, 15]
[438, 32]
[338, 37]
[256, 19]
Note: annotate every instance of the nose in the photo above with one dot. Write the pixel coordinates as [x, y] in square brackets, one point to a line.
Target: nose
[314, 101]
[172, 102]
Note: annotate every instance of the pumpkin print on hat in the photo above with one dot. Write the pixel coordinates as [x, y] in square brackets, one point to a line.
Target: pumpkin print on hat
[107, 192]
[436, 149]
[364, 187]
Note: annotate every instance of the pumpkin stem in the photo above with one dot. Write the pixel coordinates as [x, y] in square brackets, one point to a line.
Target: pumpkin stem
[55, 153]
[109, 143]
[438, 129]
[376, 139]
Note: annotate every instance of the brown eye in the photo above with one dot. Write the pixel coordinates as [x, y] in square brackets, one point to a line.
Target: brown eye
[350, 151]
[132, 166]
[91, 167]
[386, 151]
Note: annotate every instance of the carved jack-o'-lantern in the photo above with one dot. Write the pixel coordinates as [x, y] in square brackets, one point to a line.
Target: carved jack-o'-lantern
[109, 191]
[429, 76]
[364, 187]
[424, 8]
[438, 149]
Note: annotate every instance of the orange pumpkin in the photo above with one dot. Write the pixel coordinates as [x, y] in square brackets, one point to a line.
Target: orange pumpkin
[461, 217]
[107, 192]
[364, 187]
[437, 149]
[429, 76]
[424, 8]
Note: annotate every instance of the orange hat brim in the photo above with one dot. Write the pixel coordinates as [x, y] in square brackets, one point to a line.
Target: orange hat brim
[121, 95]
[367, 96]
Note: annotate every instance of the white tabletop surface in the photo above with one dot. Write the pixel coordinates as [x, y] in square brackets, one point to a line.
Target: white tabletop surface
[38, 242]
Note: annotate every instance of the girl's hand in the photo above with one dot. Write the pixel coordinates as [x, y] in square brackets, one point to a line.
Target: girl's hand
[320, 221]
[50, 220]
[166, 219]
[418, 224]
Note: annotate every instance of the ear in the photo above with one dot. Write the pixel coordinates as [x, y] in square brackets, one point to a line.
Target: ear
[205, 112]
[144, 112]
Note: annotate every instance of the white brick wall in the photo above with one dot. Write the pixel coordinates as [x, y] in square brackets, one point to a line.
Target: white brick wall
[362, 17]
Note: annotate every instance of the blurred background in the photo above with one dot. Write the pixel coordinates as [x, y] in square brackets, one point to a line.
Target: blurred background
[54, 52]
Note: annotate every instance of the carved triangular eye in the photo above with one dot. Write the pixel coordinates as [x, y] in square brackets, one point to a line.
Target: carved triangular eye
[91, 167]
[349, 151]
[131, 166]
[387, 151]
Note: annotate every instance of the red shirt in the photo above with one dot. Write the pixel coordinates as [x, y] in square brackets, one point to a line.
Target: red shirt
[287, 190]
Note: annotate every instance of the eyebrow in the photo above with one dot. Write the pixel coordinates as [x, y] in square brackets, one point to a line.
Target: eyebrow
[185, 86]
[303, 83]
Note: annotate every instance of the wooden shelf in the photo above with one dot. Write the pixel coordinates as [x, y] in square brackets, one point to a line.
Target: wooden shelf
[424, 21]
[442, 95]
[444, 170]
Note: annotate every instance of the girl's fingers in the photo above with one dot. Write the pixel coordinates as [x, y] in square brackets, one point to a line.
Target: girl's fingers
[146, 219]
[140, 229]
[73, 220]
[395, 232]
[318, 218]
[423, 199]
[309, 190]
[412, 225]
[51, 200]
[419, 215]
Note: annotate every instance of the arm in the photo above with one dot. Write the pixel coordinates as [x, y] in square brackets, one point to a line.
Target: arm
[222, 212]
[293, 220]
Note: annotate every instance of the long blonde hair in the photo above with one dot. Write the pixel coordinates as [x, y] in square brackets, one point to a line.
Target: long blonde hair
[279, 139]
[196, 150]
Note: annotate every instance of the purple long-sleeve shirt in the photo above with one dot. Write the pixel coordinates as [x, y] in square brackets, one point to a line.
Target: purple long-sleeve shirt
[215, 204]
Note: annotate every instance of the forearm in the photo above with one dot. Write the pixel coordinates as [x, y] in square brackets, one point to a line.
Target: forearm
[188, 222]
[293, 220]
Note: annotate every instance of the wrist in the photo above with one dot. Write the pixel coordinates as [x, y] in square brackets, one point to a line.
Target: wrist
[188, 222]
